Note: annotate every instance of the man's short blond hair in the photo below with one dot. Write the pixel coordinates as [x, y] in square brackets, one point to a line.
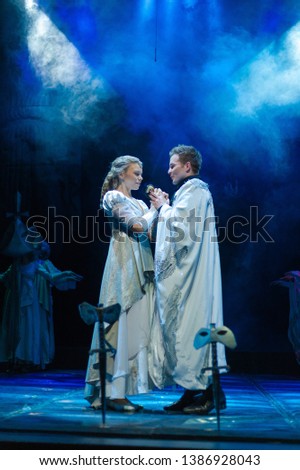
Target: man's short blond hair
[186, 154]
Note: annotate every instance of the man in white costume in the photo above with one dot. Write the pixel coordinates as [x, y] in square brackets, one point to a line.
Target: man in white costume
[188, 277]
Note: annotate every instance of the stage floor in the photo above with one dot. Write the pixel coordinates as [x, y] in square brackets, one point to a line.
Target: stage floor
[46, 410]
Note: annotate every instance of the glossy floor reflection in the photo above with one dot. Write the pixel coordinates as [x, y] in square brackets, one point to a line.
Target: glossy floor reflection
[47, 410]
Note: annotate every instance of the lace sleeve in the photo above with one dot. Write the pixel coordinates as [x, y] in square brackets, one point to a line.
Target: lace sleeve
[126, 212]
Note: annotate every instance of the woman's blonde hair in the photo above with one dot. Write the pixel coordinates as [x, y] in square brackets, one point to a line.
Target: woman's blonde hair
[118, 166]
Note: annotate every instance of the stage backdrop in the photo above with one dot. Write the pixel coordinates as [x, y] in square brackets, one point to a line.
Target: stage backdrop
[84, 81]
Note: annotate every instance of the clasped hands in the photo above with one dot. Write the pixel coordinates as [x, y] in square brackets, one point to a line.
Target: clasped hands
[158, 197]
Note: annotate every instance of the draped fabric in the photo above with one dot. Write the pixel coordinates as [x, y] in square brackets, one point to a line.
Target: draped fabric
[188, 280]
[27, 334]
[9, 332]
[27, 328]
[129, 262]
[294, 317]
[128, 280]
[291, 279]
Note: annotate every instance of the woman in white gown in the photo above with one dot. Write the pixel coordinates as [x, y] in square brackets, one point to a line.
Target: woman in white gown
[127, 280]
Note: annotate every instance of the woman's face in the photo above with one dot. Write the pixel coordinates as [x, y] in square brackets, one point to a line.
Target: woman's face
[132, 177]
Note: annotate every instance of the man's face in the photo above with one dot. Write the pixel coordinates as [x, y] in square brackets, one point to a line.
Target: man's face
[177, 170]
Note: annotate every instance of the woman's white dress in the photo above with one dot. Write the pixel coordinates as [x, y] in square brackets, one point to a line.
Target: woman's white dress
[127, 280]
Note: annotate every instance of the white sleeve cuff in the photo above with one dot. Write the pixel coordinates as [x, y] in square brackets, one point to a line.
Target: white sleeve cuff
[150, 216]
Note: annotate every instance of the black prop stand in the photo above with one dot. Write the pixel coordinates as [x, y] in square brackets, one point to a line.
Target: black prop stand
[100, 314]
[214, 335]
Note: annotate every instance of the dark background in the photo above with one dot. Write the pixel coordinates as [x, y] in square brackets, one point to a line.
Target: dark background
[84, 81]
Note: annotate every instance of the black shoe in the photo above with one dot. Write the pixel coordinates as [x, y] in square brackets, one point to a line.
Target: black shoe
[205, 404]
[185, 400]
